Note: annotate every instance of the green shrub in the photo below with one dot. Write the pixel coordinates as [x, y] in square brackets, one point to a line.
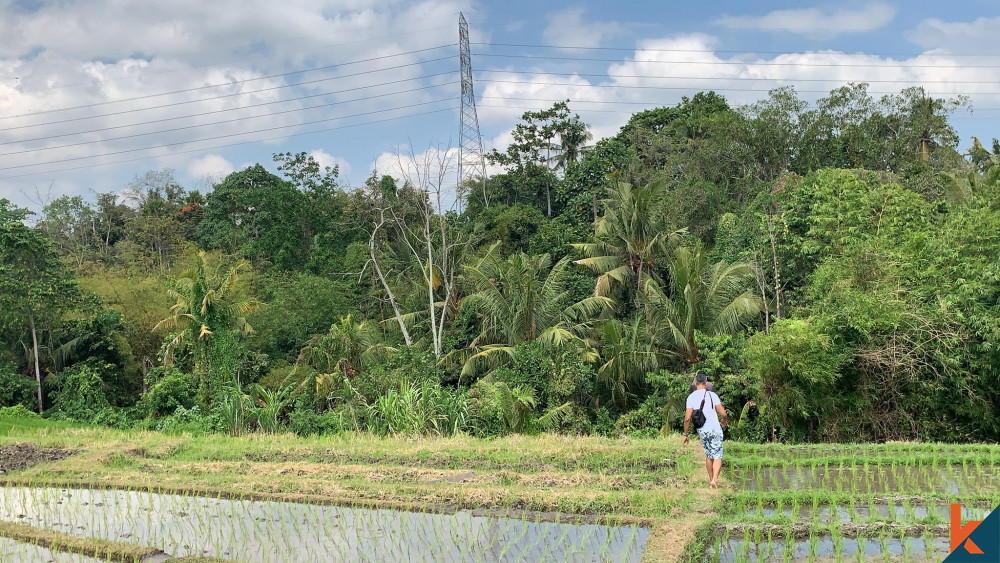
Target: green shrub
[298, 306]
[81, 392]
[408, 365]
[112, 417]
[185, 420]
[500, 409]
[16, 389]
[17, 411]
[268, 407]
[554, 375]
[170, 388]
[645, 421]
[305, 421]
[793, 370]
[604, 424]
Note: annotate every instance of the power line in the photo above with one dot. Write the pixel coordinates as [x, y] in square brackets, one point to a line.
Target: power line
[658, 103]
[735, 78]
[196, 126]
[718, 89]
[225, 110]
[728, 51]
[231, 83]
[229, 135]
[185, 102]
[189, 151]
[220, 63]
[538, 108]
[747, 63]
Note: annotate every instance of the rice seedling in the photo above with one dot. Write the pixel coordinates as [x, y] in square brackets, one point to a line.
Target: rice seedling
[789, 548]
[860, 553]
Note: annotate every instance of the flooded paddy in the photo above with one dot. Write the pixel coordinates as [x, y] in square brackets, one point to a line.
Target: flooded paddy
[13, 550]
[825, 503]
[824, 547]
[940, 480]
[911, 511]
[283, 531]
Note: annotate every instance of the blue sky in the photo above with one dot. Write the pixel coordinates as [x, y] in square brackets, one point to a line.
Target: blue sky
[94, 93]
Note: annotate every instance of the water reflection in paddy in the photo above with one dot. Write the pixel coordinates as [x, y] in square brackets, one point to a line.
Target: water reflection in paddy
[283, 531]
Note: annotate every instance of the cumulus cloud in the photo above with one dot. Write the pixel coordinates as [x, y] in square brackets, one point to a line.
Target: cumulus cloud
[326, 159]
[564, 30]
[661, 71]
[210, 166]
[977, 36]
[225, 67]
[816, 22]
[434, 169]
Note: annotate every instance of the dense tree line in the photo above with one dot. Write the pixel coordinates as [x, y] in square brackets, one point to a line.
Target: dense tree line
[833, 269]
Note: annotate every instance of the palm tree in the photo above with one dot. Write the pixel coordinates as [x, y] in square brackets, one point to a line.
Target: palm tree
[205, 303]
[712, 298]
[522, 299]
[629, 350]
[630, 236]
[348, 347]
[573, 137]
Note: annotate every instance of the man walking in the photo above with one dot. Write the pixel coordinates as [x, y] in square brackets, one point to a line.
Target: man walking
[710, 433]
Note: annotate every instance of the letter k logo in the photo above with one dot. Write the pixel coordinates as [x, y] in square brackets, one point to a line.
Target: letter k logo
[960, 533]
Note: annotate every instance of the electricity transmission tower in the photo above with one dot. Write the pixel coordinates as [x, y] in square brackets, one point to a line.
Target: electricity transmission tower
[471, 162]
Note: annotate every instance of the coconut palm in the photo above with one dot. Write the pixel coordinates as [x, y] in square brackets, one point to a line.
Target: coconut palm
[573, 137]
[348, 347]
[522, 299]
[629, 349]
[205, 303]
[630, 235]
[712, 298]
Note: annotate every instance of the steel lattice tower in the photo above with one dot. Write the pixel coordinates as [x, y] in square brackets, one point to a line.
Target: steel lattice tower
[471, 161]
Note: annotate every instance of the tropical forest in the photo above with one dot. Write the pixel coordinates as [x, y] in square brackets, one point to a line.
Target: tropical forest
[831, 267]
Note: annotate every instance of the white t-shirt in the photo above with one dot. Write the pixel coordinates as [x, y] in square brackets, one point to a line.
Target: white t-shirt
[711, 401]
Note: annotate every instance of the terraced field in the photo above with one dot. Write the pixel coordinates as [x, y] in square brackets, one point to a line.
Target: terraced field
[88, 493]
[887, 502]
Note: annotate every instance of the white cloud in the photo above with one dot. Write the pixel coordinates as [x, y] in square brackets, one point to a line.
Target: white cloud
[326, 159]
[94, 54]
[816, 22]
[978, 36]
[210, 166]
[434, 169]
[564, 30]
[660, 71]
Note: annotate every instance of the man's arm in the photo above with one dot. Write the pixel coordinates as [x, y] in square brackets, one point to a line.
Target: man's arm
[724, 418]
[687, 423]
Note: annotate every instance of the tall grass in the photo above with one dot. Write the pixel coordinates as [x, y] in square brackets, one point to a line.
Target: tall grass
[423, 408]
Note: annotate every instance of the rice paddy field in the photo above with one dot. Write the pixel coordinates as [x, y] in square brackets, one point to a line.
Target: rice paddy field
[885, 502]
[92, 494]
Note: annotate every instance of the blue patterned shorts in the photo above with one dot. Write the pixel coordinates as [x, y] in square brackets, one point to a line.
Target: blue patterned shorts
[711, 440]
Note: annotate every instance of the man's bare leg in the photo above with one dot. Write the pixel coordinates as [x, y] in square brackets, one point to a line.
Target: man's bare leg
[708, 466]
[716, 470]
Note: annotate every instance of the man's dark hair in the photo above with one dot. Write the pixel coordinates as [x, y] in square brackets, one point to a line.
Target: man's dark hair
[701, 377]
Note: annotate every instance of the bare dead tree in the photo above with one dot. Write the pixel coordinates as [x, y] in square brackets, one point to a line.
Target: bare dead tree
[436, 247]
[378, 224]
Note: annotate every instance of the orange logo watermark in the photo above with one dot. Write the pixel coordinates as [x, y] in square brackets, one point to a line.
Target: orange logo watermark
[960, 533]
